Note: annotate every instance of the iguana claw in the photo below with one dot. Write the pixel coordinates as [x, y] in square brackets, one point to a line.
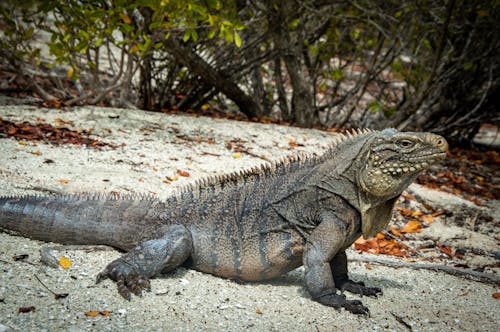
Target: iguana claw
[127, 279]
[338, 301]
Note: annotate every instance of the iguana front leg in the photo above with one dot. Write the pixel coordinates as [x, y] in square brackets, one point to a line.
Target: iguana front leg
[338, 267]
[324, 243]
[132, 271]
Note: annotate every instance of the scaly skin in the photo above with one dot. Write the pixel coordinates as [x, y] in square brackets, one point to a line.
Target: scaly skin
[251, 225]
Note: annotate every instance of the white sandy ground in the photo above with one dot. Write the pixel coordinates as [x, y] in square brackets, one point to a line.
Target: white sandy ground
[189, 300]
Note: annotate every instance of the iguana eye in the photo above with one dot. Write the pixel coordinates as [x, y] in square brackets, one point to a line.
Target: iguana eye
[405, 143]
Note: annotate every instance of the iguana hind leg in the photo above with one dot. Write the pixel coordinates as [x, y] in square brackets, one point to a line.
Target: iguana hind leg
[338, 266]
[321, 285]
[132, 271]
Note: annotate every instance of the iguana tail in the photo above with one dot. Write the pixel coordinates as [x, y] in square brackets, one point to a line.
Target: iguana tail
[81, 219]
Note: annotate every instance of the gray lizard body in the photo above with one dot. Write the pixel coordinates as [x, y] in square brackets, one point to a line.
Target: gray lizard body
[250, 225]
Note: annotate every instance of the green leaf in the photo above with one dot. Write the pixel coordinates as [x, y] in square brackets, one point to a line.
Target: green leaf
[356, 33]
[337, 74]
[212, 33]
[427, 44]
[470, 67]
[194, 35]
[28, 33]
[397, 66]
[98, 42]
[186, 36]
[294, 24]
[237, 39]
[375, 106]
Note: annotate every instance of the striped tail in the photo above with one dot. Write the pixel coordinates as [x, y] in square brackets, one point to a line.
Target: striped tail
[82, 219]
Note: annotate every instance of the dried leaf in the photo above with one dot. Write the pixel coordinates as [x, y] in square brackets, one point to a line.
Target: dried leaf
[23, 310]
[395, 231]
[36, 152]
[496, 296]
[169, 179]
[428, 218]
[105, 313]
[63, 122]
[258, 311]
[412, 226]
[60, 295]
[125, 18]
[381, 245]
[408, 196]
[20, 257]
[183, 173]
[65, 262]
[409, 213]
[445, 249]
[368, 266]
[91, 313]
[64, 180]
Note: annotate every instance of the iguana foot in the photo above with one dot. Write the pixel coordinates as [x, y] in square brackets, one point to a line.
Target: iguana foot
[357, 287]
[127, 279]
[338, 301]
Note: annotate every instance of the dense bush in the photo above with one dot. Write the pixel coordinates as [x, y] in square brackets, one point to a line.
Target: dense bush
[409, 64]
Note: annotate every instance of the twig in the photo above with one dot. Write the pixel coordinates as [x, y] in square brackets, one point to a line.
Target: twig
[455, 271]
[56, 295]
[210, 154]
[246, 151]
[402, 321]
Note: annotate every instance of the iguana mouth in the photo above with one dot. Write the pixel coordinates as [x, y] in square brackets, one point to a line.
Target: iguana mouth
[411, 165]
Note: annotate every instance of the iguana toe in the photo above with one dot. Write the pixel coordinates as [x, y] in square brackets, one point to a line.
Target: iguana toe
[128, 281]
[338, 301]
[359, 288]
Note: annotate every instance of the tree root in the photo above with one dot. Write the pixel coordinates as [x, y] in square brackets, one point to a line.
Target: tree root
[455, 271]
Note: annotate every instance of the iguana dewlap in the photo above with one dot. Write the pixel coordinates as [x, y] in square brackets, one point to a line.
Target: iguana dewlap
[249, 225]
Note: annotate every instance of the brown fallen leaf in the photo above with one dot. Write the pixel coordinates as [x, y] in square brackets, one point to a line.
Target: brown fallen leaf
[409, 213]
[496, 296]
[445, 249]
[381, 245]
[408, 196]
[412, 226]
[23, 310]
[183, 173]
[64, 181]
[91, 313]
[258, 311]
[428, 218]
[395, 231]
[20, 257]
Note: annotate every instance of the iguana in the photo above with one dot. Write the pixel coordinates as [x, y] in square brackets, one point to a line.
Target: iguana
[249, 225]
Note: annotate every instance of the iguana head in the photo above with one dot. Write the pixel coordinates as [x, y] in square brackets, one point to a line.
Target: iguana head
[394, 159]
[388, 162]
